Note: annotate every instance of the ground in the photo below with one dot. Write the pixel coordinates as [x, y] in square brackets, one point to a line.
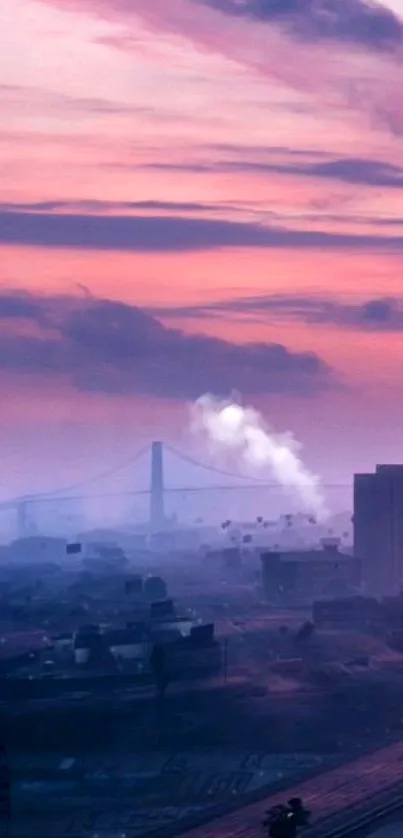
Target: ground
[92, 765]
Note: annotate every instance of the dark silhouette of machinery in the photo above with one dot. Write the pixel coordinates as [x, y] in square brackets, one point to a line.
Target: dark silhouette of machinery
[286, 820]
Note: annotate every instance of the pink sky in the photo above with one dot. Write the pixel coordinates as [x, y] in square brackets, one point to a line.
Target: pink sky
[227, 128]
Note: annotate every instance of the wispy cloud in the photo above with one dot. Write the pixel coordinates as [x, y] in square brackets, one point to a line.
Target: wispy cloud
[111, 347]
[253, 209]
[258, 151]
[12, 94]
[82, 205]
[318, 48]
[162, 234]
[377, 314]
[367, 24]
[353, 171]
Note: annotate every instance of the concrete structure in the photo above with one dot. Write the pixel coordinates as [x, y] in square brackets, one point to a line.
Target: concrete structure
[172, 627]
[128, 645]
[83, 643]
[378, 528]
[63, 644]
[157, 517]
[300, 576]
[82, 647]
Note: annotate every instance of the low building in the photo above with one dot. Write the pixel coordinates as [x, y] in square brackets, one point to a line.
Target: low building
[84, 641]
[128, 644]
[300, 576]
[63, 644]
[195, 656]
[82, 646]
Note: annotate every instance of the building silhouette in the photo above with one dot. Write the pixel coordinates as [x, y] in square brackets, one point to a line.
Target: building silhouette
[378, 528]
[294, 577]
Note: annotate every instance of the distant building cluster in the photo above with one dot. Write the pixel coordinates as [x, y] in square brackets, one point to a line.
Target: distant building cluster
[376, 566]
[106, 621]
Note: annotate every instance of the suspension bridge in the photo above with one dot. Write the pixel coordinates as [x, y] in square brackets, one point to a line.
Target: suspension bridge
[156, 490]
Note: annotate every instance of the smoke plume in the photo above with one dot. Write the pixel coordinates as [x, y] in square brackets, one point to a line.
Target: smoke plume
[241, 430]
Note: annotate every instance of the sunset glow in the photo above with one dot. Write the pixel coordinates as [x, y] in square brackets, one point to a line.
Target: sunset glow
[229, 179]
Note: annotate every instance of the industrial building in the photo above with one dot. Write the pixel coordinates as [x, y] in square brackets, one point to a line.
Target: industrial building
[300, 576]
[378, 528]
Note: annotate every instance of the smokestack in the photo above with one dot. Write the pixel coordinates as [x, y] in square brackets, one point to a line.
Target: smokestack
[157, 488]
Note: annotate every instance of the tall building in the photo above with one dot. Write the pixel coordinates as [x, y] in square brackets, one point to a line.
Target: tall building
[378, 528]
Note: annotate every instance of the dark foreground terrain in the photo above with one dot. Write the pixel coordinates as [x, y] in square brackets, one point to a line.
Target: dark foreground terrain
[127, 764]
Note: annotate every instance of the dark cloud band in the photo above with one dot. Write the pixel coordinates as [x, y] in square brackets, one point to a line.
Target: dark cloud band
[351, 21]
[160, 234]
[103, 346]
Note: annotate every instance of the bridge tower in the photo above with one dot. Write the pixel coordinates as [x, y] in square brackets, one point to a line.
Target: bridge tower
[157, 517]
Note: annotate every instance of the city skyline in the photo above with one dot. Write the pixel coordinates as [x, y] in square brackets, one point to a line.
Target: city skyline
[198, 196]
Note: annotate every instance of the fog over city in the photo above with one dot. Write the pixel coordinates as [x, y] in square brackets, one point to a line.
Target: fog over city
[201, 435]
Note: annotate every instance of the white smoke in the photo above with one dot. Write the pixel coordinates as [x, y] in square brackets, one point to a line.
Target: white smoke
[241, 430]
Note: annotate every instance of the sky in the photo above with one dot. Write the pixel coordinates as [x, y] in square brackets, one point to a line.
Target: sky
[198, 196]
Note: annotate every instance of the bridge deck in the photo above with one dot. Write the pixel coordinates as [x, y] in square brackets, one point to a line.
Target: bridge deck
[340, 788]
